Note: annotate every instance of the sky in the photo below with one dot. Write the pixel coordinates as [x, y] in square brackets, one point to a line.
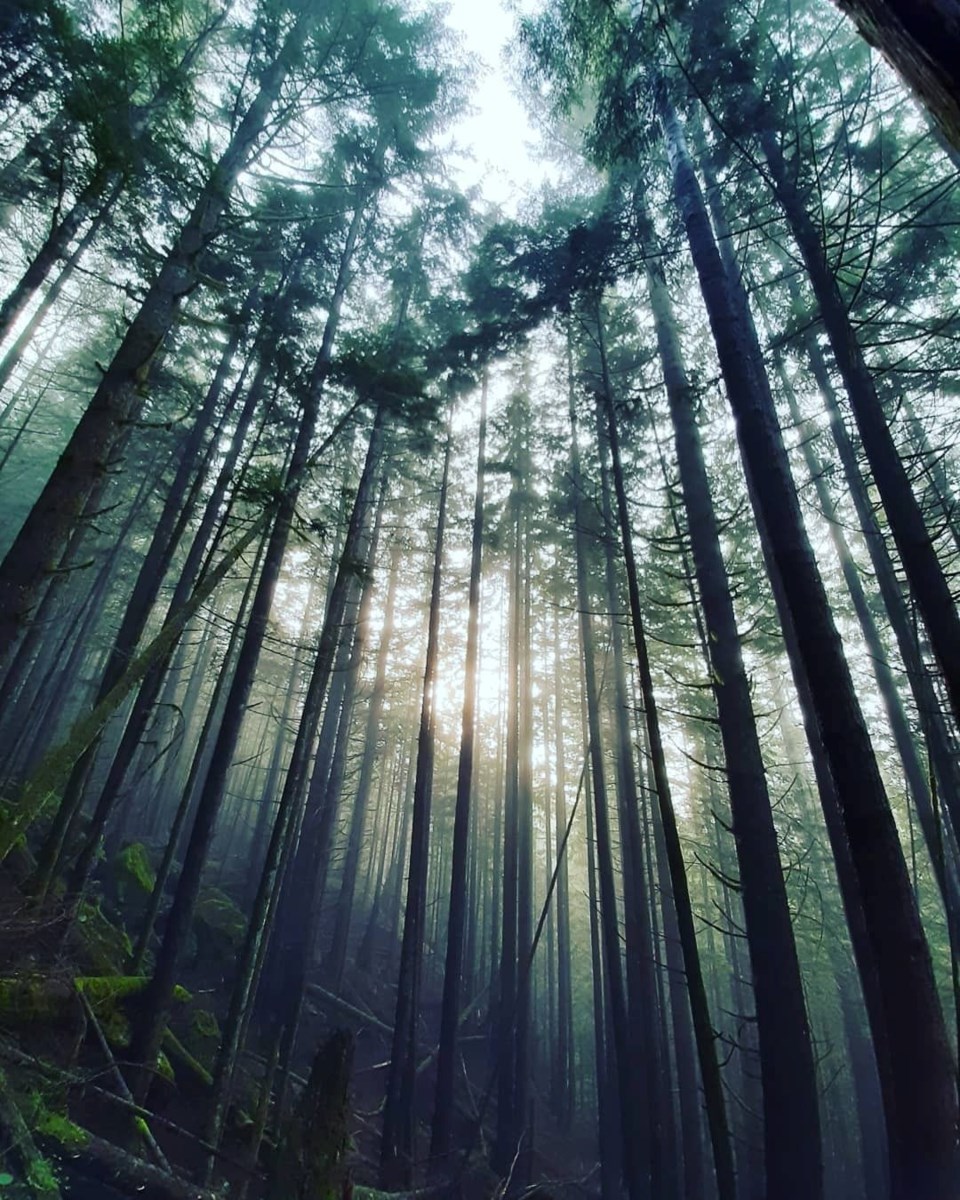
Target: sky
[498, 131]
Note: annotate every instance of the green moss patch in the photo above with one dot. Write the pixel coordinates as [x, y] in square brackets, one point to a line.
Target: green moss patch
[218, 915]
[133, 869]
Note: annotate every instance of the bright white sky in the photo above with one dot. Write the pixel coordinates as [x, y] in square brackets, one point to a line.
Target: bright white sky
[498, 132]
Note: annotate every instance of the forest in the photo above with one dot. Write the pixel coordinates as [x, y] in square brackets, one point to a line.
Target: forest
[479, 683]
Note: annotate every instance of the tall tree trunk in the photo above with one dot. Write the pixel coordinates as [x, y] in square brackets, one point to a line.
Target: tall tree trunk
[149, 1027]
[638, 942]
[942, 746]
[13, 357]
[605, 1099]
[397, 1147]
[913, 769]
[509, 1129]
[923, 1127]
[635, 1171]
[564, 1057]
[169, 528]
[88, 204]
[268, 893]
[453, 964]
[336, 959]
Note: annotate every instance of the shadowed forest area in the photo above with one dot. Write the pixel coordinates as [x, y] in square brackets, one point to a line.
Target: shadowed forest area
[479, 687]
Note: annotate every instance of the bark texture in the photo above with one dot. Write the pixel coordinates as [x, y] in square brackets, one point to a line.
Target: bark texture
[921, 39]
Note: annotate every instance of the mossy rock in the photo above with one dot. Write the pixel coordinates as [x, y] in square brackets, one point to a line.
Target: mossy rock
[134, 871]
[218, 912]
[200, 1034]
[32, 998]
[219, 926]
[105, 995]
[105, 948]
[108, 989]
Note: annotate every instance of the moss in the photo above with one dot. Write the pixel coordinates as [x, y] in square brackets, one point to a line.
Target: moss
[60, 1128]
[218, 913]
[134, 870]
[108, 989]
[165, 1068]
[105, 994]
[29, 998]
[180, 1053]
[204, 1024]
[41, 1178]
[106, 948]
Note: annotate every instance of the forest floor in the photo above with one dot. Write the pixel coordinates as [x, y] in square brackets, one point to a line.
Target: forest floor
[67, 1124]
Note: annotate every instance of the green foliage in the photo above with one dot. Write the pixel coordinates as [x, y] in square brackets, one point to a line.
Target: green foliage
[262, 486]
[382, 368]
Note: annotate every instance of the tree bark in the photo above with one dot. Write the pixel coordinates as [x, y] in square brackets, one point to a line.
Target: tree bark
[921, 39]
[453, 964]
[399, 1120]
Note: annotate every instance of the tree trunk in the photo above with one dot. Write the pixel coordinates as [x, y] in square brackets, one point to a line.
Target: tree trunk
[925, 575]
[635, 1171]
[399, 1118]
[336, 959]
[149, 1030]
[921, 39]
[453, 965]
[924, 1125]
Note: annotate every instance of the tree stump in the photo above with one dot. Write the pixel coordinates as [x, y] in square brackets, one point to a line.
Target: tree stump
[311, 1159]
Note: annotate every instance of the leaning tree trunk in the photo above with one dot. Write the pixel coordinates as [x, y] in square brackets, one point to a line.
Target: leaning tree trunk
[337, 956]
[169, 528]
[923, 1122]
[925, 575]
[11, 360]
[149, 1027]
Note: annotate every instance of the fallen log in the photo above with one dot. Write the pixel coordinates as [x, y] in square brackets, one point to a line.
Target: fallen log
[106, 1163]
[36, 1170]
[329, 1000]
